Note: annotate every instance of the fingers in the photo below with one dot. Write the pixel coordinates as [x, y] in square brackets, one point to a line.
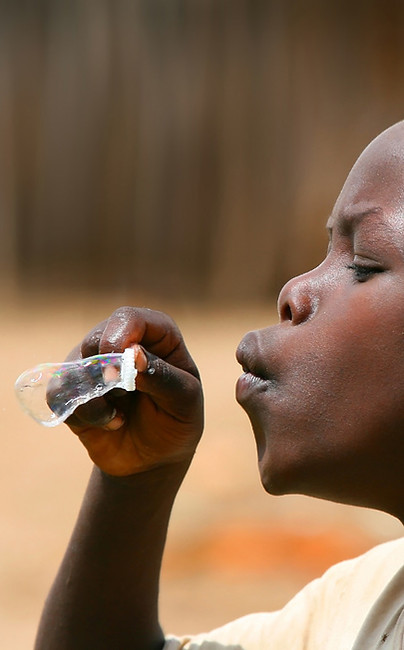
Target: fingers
[166, 371]
[172, 389]
[99, 413]
[129, 325]
[154, 330]
[91, 343]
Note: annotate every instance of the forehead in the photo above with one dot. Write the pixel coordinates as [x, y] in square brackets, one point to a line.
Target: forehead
[376, 181]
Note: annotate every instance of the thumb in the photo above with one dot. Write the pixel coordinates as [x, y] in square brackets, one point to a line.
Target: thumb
[174, 390]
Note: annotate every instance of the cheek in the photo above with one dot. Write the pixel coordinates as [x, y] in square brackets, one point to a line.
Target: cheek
[350, 378]
[338, 400]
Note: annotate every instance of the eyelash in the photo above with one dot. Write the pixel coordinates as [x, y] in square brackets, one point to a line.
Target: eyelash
[363, 273]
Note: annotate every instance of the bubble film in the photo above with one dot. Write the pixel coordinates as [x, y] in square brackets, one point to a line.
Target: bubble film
[51, 392]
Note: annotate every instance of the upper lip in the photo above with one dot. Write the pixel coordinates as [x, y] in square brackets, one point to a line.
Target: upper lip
[249, 357]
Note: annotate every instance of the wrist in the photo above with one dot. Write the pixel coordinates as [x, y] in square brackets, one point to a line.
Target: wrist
[158, 478]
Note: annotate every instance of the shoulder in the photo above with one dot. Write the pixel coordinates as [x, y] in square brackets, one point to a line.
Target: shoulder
[375, 568]
[326, 615]
[387, 557]
[346, 592]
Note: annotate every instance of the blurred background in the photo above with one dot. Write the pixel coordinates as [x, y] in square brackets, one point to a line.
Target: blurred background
[182, 155]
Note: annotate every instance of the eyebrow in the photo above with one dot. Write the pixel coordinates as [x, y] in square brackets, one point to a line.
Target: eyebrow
[349, 218]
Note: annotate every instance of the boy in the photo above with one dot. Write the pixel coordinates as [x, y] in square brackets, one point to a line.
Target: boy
[324, 391]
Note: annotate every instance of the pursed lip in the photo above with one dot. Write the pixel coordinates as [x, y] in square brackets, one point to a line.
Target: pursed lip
[248, 356]
[257, 377]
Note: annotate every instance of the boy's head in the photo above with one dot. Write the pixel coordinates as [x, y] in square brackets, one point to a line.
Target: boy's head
[324, 389]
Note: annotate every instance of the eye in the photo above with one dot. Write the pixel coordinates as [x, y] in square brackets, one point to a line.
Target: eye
[361, 272]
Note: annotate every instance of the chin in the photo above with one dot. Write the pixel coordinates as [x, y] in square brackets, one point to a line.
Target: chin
[275, 481]
[305, 482]
[280, 478]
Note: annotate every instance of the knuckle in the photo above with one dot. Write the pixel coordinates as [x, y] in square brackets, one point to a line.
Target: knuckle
[124, 313]
[163, 370]
[91, 342]
[116, 330]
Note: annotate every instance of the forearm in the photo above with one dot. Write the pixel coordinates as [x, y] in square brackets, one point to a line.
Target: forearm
[106, 592]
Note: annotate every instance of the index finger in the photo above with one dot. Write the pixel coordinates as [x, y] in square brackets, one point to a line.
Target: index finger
[154, 330]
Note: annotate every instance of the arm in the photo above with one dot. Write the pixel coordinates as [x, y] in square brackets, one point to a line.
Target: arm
[105, 594]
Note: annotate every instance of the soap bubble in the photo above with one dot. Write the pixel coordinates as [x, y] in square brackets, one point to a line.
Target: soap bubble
[51, 392]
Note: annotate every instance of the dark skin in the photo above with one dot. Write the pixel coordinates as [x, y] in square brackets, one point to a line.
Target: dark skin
[328, 405]
[324, 391]
[105, 594]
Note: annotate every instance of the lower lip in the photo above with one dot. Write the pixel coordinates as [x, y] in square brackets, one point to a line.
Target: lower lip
[248, 384]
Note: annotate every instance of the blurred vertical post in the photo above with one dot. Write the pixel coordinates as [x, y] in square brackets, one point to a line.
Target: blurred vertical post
[187, 149]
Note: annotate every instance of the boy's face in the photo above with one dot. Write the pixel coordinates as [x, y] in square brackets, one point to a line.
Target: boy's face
[324, 389]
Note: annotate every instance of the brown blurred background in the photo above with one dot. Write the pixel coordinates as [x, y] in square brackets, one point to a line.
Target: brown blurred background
[185, 148]
[184, 155]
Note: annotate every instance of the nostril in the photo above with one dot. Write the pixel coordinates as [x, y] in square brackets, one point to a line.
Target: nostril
[296, 302]
[286, 312]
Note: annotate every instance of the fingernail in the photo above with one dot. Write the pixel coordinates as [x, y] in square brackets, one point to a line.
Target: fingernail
[115, 424]
[140, 359]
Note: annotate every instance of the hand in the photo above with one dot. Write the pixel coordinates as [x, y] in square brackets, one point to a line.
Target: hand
[160, 423]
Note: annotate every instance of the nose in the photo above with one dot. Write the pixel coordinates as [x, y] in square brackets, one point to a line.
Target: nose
[298, 299]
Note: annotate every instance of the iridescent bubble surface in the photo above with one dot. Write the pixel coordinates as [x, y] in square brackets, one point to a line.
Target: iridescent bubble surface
[51, 392]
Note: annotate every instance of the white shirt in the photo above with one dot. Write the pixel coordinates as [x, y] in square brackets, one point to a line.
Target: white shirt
[327, 614]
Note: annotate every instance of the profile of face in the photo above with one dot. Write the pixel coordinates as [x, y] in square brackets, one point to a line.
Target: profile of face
[324, 388]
